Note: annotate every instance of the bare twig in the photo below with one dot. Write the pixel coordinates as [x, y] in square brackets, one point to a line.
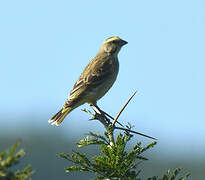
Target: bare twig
[112, 118]
[135, 132]
[99, 115]
[118, 115]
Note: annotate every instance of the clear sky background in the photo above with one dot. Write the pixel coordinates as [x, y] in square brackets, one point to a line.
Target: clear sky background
[45, 45]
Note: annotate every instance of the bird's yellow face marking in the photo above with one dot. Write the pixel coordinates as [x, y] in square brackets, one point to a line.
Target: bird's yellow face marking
[112, 39]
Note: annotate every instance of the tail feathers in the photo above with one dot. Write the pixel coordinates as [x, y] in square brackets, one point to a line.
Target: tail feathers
[59, 116]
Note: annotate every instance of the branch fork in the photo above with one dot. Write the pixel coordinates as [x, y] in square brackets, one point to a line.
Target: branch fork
[105, 119]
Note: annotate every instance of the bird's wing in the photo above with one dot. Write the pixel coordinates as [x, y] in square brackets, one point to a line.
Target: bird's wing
[95, 74]
[99, 73]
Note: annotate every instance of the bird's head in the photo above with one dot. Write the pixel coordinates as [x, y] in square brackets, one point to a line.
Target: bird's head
[112, 45]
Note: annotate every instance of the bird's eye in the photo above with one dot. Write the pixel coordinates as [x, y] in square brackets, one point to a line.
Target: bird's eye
[113, 42]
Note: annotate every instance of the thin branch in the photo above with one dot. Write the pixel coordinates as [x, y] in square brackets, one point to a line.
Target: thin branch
[112, 118]
[118, 115]
[135, 132]
[105, 121]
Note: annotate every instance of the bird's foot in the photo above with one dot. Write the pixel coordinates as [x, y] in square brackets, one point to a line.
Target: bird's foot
[100, 113]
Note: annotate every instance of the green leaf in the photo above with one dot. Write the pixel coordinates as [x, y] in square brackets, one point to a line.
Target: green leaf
[85, 142]
[105, 139]
[75, 168]
[151, 145]
[10, 158]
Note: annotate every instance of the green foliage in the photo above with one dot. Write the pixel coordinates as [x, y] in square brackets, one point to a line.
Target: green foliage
[115, 162]
[172, 176]
[10, 158]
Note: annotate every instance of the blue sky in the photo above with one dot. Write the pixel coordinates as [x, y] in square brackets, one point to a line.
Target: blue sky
[44, 46]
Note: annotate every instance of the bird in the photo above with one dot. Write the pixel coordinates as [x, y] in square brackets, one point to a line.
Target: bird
[96, 79]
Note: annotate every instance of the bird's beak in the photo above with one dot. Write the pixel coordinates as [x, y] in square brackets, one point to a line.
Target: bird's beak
[123, 42]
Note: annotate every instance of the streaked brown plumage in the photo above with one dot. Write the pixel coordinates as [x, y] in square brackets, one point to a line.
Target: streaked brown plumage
[96, 79]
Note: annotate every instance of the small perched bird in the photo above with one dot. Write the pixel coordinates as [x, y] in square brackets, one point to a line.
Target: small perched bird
[96, 79]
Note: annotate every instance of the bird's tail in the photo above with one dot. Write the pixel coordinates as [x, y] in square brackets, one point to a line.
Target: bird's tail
[59, 116]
